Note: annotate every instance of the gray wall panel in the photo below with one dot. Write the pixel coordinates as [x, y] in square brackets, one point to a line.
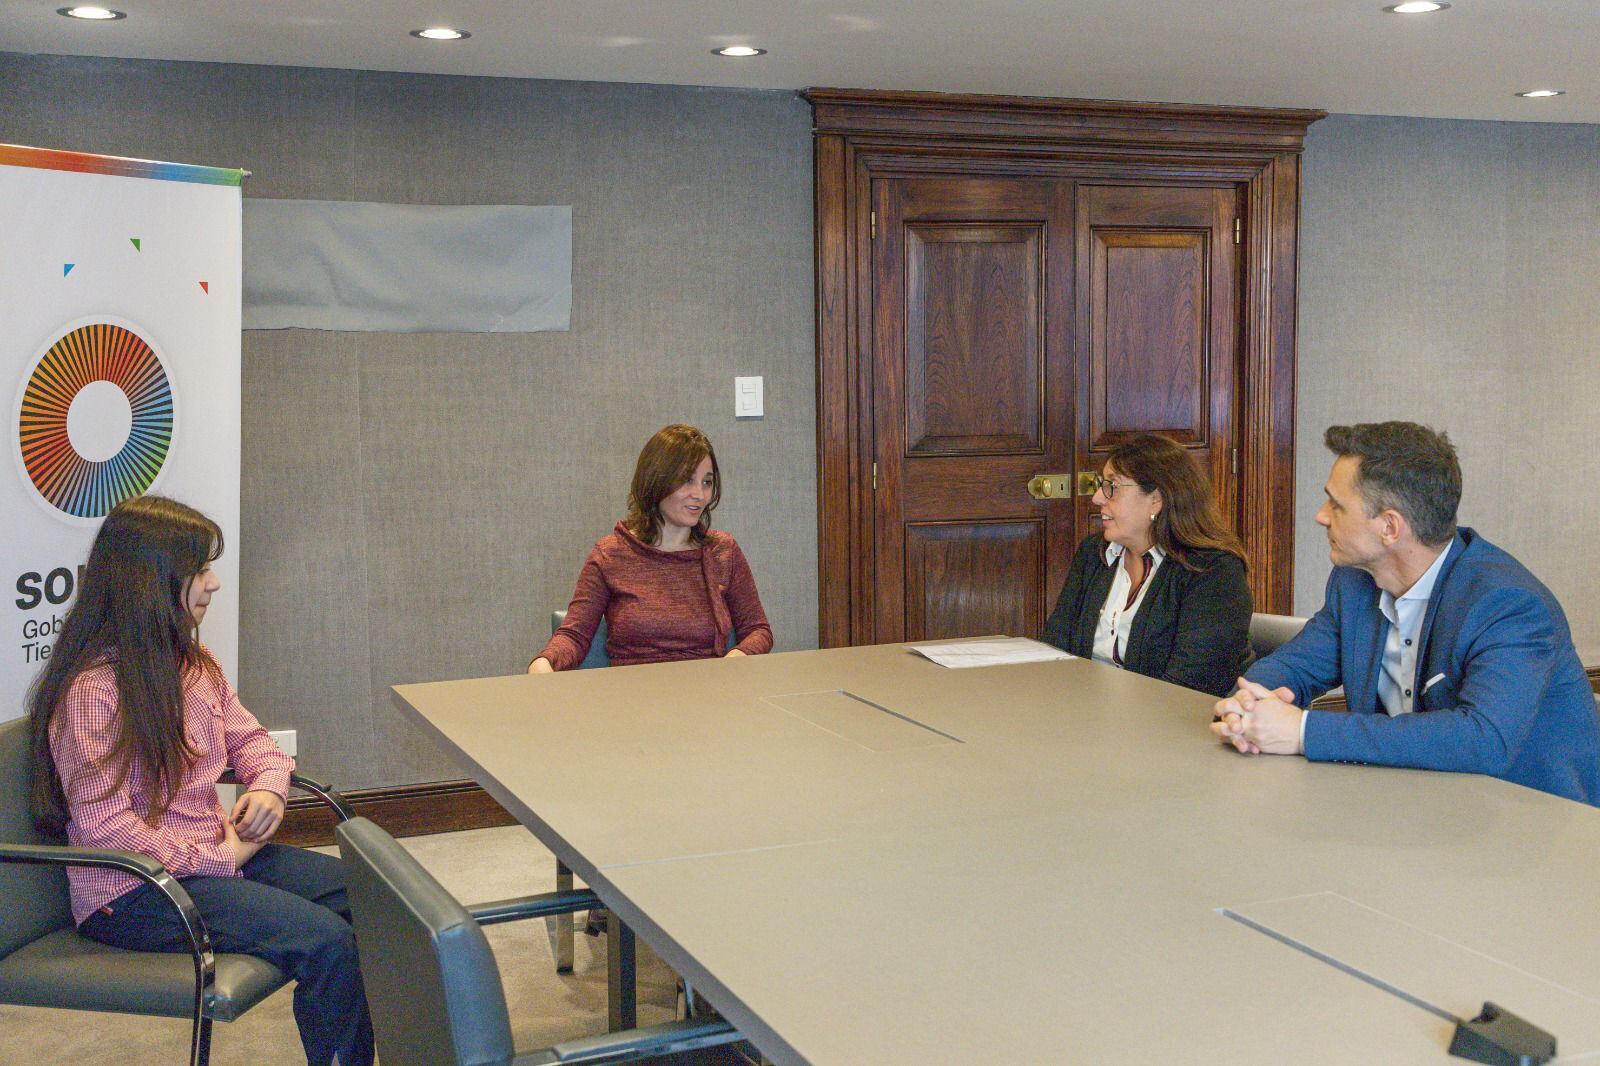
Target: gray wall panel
[303, 576]
[1447, 275]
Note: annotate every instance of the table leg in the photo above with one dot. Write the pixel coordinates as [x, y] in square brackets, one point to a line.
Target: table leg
[560, 926]
[622, 984]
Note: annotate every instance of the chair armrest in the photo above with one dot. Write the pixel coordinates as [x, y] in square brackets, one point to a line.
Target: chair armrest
[129, 862]
[543, 905]
[149, 871]
[331, 798]
[145, 869]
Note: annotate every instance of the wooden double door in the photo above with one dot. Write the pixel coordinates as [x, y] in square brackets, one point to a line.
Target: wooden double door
[981, 326]
[1022, 327]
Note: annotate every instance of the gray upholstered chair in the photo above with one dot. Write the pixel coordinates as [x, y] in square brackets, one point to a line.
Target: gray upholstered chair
[431, 977]
[1269, 631]
[597, 647]
[45, 962]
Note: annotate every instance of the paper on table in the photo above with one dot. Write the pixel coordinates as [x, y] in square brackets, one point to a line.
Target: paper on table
[997, 652]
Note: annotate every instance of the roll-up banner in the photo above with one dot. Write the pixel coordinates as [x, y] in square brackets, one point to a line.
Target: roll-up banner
[119, 350]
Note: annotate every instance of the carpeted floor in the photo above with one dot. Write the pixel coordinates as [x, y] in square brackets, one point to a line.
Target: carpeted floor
[481, 865]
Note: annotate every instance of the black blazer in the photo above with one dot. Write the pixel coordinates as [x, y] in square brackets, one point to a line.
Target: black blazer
[1193, 628]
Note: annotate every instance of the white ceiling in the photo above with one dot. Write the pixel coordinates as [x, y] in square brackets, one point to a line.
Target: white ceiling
[1341, 55]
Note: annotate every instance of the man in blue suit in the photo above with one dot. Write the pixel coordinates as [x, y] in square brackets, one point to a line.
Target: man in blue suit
[1452, 655]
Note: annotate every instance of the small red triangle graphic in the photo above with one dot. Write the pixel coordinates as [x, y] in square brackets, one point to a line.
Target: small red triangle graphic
[206, 285]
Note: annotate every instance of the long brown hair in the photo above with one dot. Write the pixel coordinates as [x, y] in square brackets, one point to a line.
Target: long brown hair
[1188, 519]
[667, 461]
[130, 609]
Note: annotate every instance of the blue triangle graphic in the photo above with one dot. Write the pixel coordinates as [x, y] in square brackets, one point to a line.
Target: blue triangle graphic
[66, 268]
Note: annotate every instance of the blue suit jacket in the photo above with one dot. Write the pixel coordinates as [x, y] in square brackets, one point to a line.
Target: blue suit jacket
[1513, 701]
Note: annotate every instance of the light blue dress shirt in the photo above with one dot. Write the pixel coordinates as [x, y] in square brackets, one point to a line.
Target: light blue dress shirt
[1397, 680]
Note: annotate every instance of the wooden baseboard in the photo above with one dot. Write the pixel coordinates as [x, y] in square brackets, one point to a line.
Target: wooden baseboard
[451, 806]
[404, 810]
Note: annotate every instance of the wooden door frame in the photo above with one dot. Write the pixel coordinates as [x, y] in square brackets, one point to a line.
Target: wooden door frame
[860, 135]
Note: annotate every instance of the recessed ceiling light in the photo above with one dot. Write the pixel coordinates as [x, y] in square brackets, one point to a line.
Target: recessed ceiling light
[1539, 94]
[92, 14]
[441, 33]
[1416, 7]
[738, 51]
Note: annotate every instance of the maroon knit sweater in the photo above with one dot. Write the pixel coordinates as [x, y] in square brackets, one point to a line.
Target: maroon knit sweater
[661, 606]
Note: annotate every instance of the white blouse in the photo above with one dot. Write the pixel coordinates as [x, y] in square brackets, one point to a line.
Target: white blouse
[1116, 614]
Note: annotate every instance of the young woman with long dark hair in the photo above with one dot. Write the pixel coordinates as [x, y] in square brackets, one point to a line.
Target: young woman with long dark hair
[132, 724]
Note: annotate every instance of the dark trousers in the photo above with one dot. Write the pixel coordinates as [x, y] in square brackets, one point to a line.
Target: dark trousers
[289, 909]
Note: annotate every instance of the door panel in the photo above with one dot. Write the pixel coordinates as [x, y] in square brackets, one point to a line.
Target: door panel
[1157, 324]
[1149, 341]
[972, 394]
[962, 578]
[958, 402]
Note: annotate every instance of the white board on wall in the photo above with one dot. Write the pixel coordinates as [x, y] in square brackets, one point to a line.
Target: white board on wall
[119, 350]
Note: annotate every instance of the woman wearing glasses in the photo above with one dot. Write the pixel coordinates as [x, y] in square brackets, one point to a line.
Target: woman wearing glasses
[1160, 588]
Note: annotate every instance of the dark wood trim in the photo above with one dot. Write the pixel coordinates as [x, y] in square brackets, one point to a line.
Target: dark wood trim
[1105, 122]
[865, 135]
[857, 184]
[834, 410]
[1267, 397]
[404, 810]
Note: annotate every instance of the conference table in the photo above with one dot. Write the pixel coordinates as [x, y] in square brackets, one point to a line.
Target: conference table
[860, 856]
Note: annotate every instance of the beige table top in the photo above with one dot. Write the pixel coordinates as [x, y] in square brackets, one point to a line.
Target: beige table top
[1032, 863]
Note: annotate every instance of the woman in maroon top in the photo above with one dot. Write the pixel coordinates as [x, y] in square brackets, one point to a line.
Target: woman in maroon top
[668, 586]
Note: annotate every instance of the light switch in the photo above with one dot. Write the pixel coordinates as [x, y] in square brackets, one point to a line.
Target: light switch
[747, 401]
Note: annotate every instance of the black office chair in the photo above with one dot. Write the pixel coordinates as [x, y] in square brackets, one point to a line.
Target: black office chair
[1268, 632]
[431, 977]
[45, 962]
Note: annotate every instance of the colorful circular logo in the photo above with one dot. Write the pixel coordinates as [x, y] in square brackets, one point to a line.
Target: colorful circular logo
[94, 421]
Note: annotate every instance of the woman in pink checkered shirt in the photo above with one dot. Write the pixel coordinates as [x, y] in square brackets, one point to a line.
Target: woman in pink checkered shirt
[133, 722]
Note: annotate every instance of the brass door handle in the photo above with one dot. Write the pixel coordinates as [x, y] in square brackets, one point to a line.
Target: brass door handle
[1050, 486]
[1059, 486]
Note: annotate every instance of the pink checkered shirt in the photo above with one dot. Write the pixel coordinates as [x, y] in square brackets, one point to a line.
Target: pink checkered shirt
[189, 839]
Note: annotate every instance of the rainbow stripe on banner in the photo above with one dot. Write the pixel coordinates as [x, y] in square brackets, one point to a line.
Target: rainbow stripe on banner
[18, 155]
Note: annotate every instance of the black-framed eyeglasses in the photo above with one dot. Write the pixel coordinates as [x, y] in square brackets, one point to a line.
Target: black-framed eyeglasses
[1108, 488]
